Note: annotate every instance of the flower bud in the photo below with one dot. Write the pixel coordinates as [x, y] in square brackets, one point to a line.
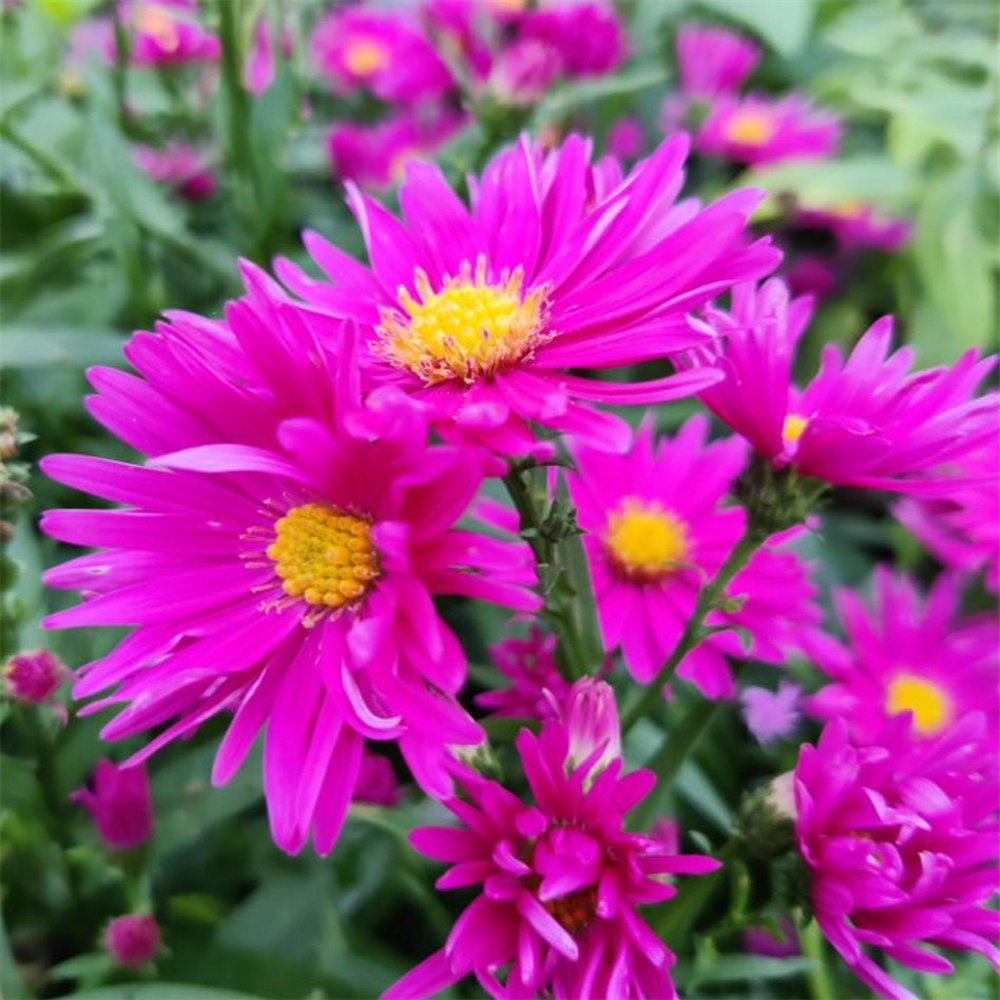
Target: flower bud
[133, 939]
[767, 818]
[591, 717]
[120, 804]
[34, 676]
[377, 783]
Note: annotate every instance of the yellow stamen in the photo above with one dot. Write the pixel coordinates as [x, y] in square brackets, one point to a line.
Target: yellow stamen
[467, 330]
[366, 56]
[645, 541]
[160, 26]
[750, 128]
[929, 702]
[324, 555]
[851, 209]
[793, 428]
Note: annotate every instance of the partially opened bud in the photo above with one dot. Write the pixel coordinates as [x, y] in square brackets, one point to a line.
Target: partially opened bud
[34, 676]
[120, 804]
[591, 717]
[133, 939]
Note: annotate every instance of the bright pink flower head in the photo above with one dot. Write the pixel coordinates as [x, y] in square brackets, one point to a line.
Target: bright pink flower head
[909, 655]
[537, 687]
[165, 32]
[757, 129]
[179, 167]
[588, 36]
[771, 715]
[480, 313]
[374, 156]
[278, 558]
[383, 52]
[561, 882]
[655, 532]
[133, 939]
[961, 528]
[120, 804]
[860, 422]
[857, 225]
[901, 842]
[713, 61]
[377, 783]
[34, 676]
[524, 71]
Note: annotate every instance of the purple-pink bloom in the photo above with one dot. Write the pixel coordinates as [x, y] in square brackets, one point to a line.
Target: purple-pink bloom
[713, 61]
[561, 882]
[384, 52]
[861, 422]
[856, 225]
[278, 558]
[909, 654]
[481, 312]
[133, 939]
[587, 35]
[377, 784]
[179, 167]
[120, 803]
[771, 715]
[537, 688]
[656, 532]
[34, 676]
[524, 71]
[590, 715]
[758, 129]
[763, 941]
[167, 32]
[901, 842]
[626, 138]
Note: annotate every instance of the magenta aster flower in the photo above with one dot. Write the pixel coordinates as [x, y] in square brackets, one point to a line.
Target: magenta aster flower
[120, 804]
[860, 422]
[558, 265]
[537, 688]
[757, 129]
[358, 48]
[655, 532]
[713, 61]
[165, 32]
[587, 35]
[771, 715]
[561, 882]
[133, 939]
[180, 167]
[278, 558]
[856, 225]
[524, 71]
[901, 841]
[909, 655]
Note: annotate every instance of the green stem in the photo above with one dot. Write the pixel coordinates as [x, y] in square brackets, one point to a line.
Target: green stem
[41, 157]
[820, 985]
[681, 912]
[643, 699]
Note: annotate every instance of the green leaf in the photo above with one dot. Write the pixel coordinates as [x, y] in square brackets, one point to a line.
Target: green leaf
[783, 24]
[570, 97]
[748, 968]
[158, 991]
[11, 984]
[40, 347]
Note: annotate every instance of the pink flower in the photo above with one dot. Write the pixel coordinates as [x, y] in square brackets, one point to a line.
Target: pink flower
[771, 715]
[377, 783]
[120, 804]
[626, 139]
[901, 842]
[35, 676]
[713, 61]
[278, 558]
[908, 655]
[763, 941]
[133, 939]
[524, 71]
[757, 129]
[166, 32]
[811, 274]
[374, 156]
[588, 36]
[856, 225]
[358, 48]
[864, 422]
[180, 167]
[561, 882]
[559, 265]
[655, 533]
[537, 686]
[591, 719]
[961, 528]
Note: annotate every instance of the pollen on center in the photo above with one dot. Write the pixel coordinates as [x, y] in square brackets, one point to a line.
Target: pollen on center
[750, 128]
[644, 541]
[468, 329]
[929, 702]
[324, 555]
[793, 428]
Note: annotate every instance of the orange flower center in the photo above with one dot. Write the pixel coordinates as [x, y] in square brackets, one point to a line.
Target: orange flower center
[645, 541]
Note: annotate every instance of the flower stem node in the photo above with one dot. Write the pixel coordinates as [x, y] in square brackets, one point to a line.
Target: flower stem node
[776, 499]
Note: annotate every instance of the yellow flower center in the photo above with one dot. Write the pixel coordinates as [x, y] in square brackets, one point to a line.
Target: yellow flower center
[750, 128]
[645, 541]
[366, 56]
[467, 330]
[159, 25]
[508, 6]
[929, 702]
[851, 209]
[324, 555]
[793, 428]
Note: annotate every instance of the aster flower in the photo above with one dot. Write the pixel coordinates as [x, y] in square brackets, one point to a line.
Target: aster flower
[771, 715]
[524, 71]
[713, 61]
[856, 225]
[34, 676]
[178, 166]
[860, 422]
[165, 32]
[481, 313]
[757, 129]
[383, 52]
[587, 36]
[133, 939]
[120, 804]
[901, 843]
[561, 882]
[910, 655]
[278, 558]
[537, 688]
[655, 534]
